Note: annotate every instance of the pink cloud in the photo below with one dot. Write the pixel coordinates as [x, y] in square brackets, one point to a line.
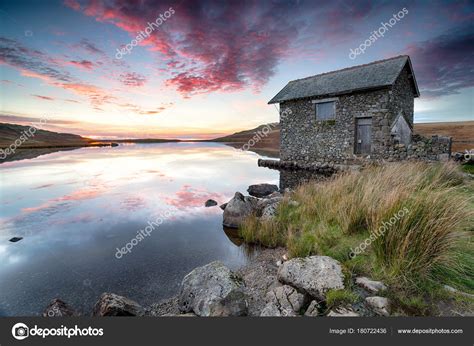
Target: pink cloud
[190, 197]
[215, 49]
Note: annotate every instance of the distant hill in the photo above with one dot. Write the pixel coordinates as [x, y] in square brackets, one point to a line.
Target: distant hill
[41, 138]
[268, 142]
[462, 133]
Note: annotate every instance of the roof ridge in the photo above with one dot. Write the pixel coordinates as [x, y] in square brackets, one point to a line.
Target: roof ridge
[352, 67]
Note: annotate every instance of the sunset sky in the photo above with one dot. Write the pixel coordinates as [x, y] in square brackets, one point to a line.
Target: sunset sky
[210, 67]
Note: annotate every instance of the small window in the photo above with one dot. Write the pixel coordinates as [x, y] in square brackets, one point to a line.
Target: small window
[325, 110]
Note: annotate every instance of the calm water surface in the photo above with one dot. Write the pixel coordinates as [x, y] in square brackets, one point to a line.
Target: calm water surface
[75, 208]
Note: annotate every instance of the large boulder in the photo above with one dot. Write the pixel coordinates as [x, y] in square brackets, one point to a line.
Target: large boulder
[58, 308]
[284, 301]
[212, 290]
[237, 209]
[261, 190]
[110, 304]
[315, 275]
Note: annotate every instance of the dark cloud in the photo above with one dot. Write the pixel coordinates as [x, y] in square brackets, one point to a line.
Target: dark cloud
[89, 47]
[41, 97]
[132, 79]
[14, 54]
[84, 64]
[444, 65]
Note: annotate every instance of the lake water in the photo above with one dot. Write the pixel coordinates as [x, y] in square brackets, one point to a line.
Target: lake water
[74, 209]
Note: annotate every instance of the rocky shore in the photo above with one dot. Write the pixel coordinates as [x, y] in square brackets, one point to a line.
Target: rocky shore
[271, 284]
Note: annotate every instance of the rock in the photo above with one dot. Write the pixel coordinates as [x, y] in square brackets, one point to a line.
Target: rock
[314, 275]
[380, 305]
[279, 263]
[274, 194]
[212, 290]
[237, 209]
[189, 314]
[58, 308]
[15, 239]
[111, 304]
[266, 208]
[283, 301]
[259, 277]
[370, 285]
[261, 190]
[222, 206]
[269, 211]
[342, 312]
[313, 309]
[210, 203]
[453, 290]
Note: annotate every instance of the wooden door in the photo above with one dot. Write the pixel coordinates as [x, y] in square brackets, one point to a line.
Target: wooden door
[363, 135]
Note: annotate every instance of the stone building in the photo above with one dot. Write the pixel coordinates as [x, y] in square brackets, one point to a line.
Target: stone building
[357, 113]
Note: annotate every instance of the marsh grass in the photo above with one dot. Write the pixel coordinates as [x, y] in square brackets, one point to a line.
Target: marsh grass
[431, 244]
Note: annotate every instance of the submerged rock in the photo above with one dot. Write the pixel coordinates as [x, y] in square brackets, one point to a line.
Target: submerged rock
[261, 190]
[15, 239]
[212, 290]
[237, 209]
[58, 308]
[370, 285]
[210, 203]
[110, 304]
[284, 301]
[314, 275]
[380, 305]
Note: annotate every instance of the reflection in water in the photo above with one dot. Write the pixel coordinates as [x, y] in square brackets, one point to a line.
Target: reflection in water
[75, 208]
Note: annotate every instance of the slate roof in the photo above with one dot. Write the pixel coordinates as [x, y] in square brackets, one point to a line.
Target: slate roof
[375, 75]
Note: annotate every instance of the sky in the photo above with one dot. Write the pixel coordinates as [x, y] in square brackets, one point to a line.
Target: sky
[202, 69]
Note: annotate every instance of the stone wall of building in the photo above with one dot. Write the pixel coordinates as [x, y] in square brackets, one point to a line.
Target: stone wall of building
[304, 138]
[401, 97]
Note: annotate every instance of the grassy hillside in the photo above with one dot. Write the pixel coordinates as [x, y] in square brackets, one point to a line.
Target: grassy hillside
[462, 133]
[9, 133]
[269, 142]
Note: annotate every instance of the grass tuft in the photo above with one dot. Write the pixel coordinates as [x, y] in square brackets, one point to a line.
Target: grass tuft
[429, 243]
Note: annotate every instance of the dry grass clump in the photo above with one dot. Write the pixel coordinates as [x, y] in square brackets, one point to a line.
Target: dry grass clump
[425, 242]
